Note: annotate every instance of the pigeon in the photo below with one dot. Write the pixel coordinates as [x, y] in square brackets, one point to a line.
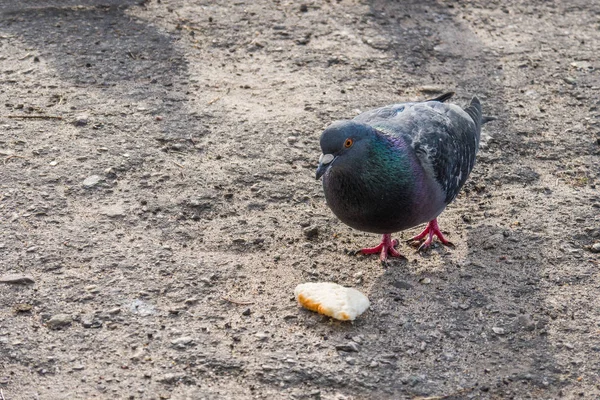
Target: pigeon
[399, 166]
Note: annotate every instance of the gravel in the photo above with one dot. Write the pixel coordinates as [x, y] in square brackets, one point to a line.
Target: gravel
[184, 204]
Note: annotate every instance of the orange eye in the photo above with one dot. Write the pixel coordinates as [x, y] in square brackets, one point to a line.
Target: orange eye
[348, 143]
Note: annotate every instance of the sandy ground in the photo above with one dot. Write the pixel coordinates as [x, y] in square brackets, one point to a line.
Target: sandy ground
[158, 201]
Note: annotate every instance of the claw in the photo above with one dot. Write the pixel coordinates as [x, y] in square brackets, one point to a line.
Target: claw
[424, 246]
[385, 248]
[432, 229]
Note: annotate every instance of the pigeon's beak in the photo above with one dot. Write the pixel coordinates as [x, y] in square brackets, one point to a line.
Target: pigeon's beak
[324, 163]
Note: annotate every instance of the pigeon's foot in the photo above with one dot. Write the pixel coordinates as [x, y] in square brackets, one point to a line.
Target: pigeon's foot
[430, 230]
[385, 248]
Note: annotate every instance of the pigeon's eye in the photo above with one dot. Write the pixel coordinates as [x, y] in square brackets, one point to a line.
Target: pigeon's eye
[348, 143]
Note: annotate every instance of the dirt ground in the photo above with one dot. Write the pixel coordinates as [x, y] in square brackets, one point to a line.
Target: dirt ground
[158, 203]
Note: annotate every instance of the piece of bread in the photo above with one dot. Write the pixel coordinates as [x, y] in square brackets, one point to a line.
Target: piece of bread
[332, 300]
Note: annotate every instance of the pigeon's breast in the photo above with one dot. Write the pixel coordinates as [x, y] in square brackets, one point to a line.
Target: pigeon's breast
[379, 203]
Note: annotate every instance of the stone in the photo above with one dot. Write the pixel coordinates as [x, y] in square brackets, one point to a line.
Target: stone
[583, 65]
[182, 342]
[110, 173]
[595, 248]
[498, 330]
[432, 89]
[348, 347]
[81, 120]
[59, 321]
[114, 211]
[90, 321]
[142, 308]
[191, 301]
[92, 181]
[311, 232]
[22, 307]
[137, 356]
[17, 279]
[358, 339]
[171, 378]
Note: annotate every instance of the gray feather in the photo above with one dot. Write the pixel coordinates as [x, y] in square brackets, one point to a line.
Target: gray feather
[444, 136]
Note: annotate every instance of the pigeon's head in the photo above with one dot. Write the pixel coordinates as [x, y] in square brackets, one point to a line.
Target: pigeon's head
[343, 143]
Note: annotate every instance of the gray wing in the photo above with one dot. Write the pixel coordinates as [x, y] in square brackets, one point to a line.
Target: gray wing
[444, 137]
[391, 111]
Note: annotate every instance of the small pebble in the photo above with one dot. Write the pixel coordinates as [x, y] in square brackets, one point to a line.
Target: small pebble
[595, 248]
[190, 301]
[17, 279]
[171, 378]
[432, 89]
[89, 321]
[92, 181]
[81, 120]
[22, 307]
[110, 173]
[182, 342]
[498, 331]
[114, 211]
[59, 321]
[348, 347]
[311, 232]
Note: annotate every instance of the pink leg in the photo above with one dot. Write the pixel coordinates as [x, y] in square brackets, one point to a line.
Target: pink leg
[385, 248]
[430, 230]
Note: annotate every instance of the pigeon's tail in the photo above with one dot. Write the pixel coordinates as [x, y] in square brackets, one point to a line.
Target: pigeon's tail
[443, 98]
[474, 111]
